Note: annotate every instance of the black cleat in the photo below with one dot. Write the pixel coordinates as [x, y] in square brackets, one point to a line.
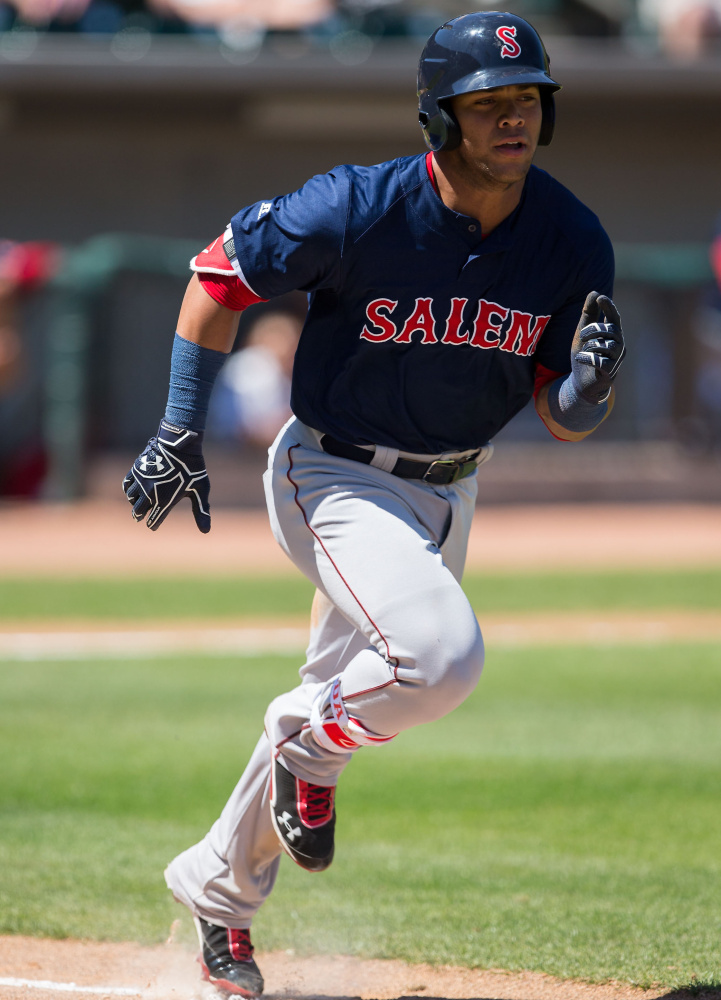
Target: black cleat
[226, 958]
[303, 817]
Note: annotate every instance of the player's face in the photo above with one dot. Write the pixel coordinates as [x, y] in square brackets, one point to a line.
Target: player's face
[500, 129]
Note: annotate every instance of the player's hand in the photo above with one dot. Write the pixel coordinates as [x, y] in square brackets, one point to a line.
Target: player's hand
[171, 467]
[598, 348]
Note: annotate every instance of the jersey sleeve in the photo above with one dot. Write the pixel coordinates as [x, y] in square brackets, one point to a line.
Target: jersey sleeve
[595, 274]
[294, 241]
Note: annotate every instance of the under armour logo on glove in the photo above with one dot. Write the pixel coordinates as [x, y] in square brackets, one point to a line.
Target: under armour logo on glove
[171, 467]
[150, 463]
[598, 349]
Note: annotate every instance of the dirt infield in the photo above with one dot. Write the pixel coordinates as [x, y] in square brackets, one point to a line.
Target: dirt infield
[99, 538]
[170, 973]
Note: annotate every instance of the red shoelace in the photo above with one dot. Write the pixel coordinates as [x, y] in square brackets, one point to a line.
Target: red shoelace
[315, 803]
[239, 944]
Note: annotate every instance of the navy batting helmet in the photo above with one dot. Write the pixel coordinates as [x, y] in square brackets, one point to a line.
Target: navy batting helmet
[476, 52]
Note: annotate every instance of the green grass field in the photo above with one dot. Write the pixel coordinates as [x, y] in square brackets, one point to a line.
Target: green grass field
[565, 819]
[143, 599]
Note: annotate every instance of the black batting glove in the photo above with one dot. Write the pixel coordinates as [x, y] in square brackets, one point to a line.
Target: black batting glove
[171, 467]
[597, 350]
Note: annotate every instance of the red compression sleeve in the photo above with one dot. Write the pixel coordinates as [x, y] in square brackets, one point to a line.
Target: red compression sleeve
[219, 279]
[228, 290]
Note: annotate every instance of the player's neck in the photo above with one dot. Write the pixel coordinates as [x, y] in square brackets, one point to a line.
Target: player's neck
[483, 198]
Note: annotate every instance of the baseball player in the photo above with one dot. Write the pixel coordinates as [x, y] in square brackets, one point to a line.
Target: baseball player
[444, 290]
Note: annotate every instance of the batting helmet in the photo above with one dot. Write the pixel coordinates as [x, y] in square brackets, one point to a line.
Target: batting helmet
[476, 52]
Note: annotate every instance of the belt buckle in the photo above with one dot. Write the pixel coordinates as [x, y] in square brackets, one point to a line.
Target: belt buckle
[442, 465]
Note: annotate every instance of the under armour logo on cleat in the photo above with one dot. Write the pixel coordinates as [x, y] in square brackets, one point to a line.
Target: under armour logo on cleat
[290, 833]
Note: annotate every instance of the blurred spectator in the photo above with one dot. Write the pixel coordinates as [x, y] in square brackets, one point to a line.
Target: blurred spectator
[252, 14]
[251, 401]
[685, 29]
[24, 267]
[348, 27]
[708, 355]
[699, 427]
[228, 17]
[9, 336]
[40, 13]
[715, 255]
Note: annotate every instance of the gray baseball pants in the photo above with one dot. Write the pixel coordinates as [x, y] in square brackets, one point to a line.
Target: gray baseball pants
[389, 618]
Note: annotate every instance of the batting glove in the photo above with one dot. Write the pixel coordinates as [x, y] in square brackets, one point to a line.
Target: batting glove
[171, 467]
[597, 350]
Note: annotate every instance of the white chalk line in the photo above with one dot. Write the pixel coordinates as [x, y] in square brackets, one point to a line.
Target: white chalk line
[120, 644]
[46, 984]
[150, 644]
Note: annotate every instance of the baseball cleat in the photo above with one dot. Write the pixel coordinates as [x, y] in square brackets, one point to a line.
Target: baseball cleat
[303, 817]
[226, 958]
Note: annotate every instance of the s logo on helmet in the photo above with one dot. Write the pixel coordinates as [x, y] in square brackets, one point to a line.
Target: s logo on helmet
[507, 34]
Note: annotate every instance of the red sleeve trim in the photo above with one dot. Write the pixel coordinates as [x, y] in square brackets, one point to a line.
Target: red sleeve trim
[228, 290]
[543, 376]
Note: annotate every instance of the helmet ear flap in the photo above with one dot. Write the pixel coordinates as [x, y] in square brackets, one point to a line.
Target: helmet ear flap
[548, 121]
[453, 129]
[441, 131]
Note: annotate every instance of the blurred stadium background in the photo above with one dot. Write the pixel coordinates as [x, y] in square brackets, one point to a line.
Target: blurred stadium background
[131, 130]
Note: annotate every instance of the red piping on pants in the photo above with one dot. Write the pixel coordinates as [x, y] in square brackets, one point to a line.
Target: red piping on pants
[391, 659]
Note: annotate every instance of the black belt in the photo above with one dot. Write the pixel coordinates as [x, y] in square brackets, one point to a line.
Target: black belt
[441, 472]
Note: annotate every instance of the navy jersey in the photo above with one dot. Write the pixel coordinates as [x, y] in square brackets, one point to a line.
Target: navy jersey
[421, 334]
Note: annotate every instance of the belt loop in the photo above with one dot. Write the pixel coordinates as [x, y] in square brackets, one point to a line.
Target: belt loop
[384, 458]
